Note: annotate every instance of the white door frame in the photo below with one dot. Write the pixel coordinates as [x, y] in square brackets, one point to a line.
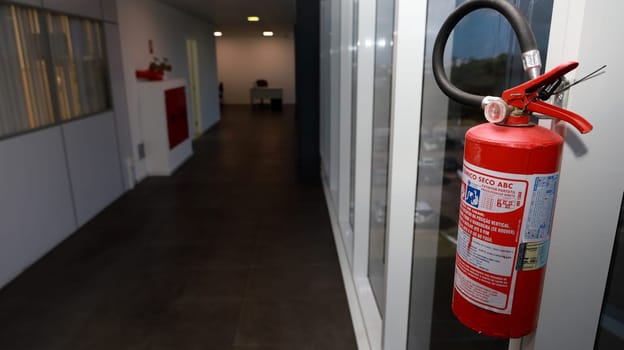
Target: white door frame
[344, 171]
[409, 41]
[195, 95]
[408, 65]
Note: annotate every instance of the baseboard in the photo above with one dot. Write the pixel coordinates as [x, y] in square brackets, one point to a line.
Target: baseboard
[359, 328]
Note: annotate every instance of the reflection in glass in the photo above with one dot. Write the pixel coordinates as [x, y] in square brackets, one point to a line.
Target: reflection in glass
[79, 65]
[354, 80]
[611, 327]
[483, 58]
[25, 100]
[53, 68]
[381, 139]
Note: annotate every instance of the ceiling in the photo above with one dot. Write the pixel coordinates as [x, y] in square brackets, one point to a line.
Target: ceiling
[231, 15]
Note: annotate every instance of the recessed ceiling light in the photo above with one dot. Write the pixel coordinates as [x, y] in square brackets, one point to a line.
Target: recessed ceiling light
[267, 33]
[218, 34]
[253, 19]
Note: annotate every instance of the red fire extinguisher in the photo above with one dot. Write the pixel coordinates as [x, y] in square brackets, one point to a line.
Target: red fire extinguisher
[508, 191]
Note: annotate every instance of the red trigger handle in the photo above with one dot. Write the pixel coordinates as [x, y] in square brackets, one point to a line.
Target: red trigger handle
[525, 97]
[580, 123]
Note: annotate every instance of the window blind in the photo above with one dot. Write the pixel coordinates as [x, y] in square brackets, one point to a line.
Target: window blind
[52, 68]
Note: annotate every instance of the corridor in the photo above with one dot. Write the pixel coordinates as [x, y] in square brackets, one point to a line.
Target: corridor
[228, 253]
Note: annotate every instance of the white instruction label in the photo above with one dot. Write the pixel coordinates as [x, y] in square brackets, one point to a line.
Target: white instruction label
[504, 227]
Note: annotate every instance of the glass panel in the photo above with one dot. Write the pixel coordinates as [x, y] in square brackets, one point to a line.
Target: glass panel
[381, 142]
[482, 57]
[325, 83]
[79, 65]
[61, 69]
[25, 101]
[611, 326]
[354, 81]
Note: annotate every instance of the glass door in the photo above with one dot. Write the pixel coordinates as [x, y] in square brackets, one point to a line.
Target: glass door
[354, 94]
[483, 58]
[380, 154]
[408, 146]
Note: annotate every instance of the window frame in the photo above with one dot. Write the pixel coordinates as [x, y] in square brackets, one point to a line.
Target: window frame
[105, 84]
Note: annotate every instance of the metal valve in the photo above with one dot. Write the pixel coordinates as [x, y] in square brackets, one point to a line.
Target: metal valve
[495, 109]
[530, 96]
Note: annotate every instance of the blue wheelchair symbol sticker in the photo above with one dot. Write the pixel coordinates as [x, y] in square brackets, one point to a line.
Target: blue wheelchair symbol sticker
[472, 196]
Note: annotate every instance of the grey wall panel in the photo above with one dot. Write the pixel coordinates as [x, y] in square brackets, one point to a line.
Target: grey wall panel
[120, 102]
[25, 2]
[36, 210]
[86, 8]
[94, 167]
[109, 10]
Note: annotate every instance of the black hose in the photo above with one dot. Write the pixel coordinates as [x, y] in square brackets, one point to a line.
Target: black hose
[518, 22]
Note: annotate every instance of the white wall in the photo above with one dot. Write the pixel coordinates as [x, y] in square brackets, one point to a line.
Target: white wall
[168, 28]
[87, 8]
[36, 208]
[25, 2]
[93, 163]
[54, 180]
[243, 58]
[120, 103]
[97, 9]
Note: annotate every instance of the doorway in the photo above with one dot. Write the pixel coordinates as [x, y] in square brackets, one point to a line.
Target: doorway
[193, 67]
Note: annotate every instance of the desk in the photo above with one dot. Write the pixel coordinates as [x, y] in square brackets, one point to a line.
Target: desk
[265, 93]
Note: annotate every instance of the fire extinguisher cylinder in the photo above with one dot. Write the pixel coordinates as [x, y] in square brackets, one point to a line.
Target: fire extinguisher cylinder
[508, 191]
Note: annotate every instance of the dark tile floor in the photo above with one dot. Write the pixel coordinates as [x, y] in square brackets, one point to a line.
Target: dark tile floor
[229, 253]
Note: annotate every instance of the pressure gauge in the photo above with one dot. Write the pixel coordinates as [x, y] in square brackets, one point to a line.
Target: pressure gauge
[495, 109]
